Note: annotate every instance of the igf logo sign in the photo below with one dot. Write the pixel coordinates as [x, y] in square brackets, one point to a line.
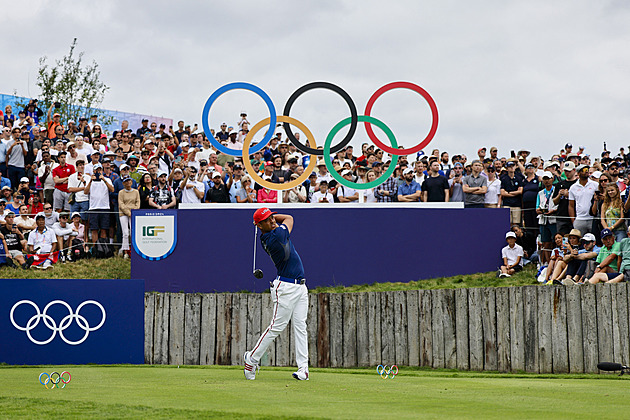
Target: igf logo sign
[152, 230]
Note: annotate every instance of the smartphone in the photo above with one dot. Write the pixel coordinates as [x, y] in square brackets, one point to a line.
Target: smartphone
[565, 241]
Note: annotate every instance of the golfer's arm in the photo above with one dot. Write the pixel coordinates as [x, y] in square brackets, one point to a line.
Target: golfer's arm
[286, 220]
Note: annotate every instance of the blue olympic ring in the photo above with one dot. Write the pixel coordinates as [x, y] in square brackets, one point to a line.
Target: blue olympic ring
[221, 91]
[54, 382]
[385, 373]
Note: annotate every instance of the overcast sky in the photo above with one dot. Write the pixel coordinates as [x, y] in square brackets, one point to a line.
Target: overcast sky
[531, 74]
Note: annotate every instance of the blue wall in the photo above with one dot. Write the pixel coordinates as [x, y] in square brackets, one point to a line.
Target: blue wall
[338, 246]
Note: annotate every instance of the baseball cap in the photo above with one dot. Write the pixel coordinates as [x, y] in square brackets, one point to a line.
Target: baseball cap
[76, 213]
[24, 179]
[132, 157]
[510, 235]
[56, 114]
[596, 174]
[568, 145]
[255, 162]
[509, 164]
[547, 174]
[581, 167]
[568, 166]
[483, 148]
[268, 163]
[216, 174]
[346, 172]
[6, 187]
[160, 173]
[98, 165]
[407, 171]
[550, 163]
[70, 143]
[572, 155]
[127, 178]
[529, 165]
[458, 164]
[262, 214]
[184, 144]
[147, 141]
[492, 149]
[605, 232]
[589, 237]
[124, 166]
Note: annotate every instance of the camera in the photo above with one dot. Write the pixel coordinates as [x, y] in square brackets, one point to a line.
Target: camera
[98, 177]
[57, 105]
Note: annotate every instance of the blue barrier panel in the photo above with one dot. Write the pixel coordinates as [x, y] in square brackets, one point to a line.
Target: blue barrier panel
[71, 321]
[339, 245]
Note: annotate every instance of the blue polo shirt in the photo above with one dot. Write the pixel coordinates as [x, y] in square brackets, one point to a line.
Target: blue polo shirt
[278, 245]
[404, 189]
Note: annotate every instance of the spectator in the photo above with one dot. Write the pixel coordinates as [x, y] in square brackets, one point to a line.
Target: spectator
[246, 194]
[564, 222]
[14, 240]
[129, 199]
[53, 122]
[193, 190]
[76, 185]
[14, 206]
[144, 188]
[492, 198]
[50, 216]
[607, 260]
[266, 195]
[346, 194]
[546, 210]
[42, 243]
[98, 188]
[511, 192]
[369, 193]
[512, 255]
[455, 183]
[61, 173]
[581, 262]
[16, 151]
[24, 222]
[80, 239]
[35, 205]
[475, 186]
[434, 188]
[64, 232]
[4, 182]
[322, 195]
[162, 196]
[612, 212]
[530, 194]
[580, 195]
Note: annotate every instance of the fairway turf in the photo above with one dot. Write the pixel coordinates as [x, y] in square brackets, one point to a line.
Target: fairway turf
[206, 392]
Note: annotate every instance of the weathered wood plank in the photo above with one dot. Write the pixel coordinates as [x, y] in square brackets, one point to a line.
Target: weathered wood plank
[504, 346]
[574, 329]
[604, 322]
[388, 352]
[426, 324]
[192, 328]
[149, 317]
[207, 346]
[161, 328]
[620, 323]
[349, 329]
[449, 324]
[311, 329]
[413, 332]
[336, 330]
[364, 341]
[254, 319]
[475, 329]
[374, 328]
[437, 308]
[238, 343]
[559, 339]
[530, 310]
[323, 330]
[461, 329]
[176, 327]
[489, 322]
[517, 329]
[589, 329]
[400, 328]
[266, 312]
[224, 329]
[545, 354]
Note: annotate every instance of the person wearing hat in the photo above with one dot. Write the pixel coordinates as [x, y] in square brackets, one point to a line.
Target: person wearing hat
[580, 195]
[563, 221]
[192, 189]
[512, 192]
[61, 173]
[346, 194]
[53, 122]
[65, 233]
[129, 199]
[72, 154]
[134, 170]
[322, 195]
[581, 262]
[17, 149]
[546, 210]
[144, 129]
[76, 185]
[98, 188]
[296, 194]
[410, 190]
[512, 255]
[607, 269]
[322, 174]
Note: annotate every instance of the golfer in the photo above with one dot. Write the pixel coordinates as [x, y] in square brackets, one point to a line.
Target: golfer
[288, 292]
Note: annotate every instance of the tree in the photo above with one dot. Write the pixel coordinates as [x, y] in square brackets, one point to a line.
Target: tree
[76, 87]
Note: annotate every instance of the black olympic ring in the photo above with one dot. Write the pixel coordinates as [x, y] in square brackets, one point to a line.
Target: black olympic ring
[354, 119]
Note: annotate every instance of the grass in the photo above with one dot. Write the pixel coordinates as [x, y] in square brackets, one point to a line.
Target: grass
[111, 268]
[212, 392]
[523, 278]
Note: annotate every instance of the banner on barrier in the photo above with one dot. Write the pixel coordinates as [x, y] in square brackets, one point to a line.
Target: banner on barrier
[71, 321]
[155, 234]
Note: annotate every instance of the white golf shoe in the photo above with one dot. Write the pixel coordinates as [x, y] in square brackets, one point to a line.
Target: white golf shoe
[250, 366]
[301, 375]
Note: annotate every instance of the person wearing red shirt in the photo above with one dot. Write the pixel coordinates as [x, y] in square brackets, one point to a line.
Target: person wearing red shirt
[60, 175]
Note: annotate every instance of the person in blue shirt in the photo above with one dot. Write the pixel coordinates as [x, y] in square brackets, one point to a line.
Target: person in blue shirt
[288, 292]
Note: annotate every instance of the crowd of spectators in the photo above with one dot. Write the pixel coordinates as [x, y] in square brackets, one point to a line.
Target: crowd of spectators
[82, 183]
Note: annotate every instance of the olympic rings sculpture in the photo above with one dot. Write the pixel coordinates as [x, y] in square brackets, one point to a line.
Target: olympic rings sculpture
[328, 149]
[385, 373]
[63, 325]
[54, 382]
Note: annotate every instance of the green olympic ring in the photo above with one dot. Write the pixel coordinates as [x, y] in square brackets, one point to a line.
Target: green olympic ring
[328, 159]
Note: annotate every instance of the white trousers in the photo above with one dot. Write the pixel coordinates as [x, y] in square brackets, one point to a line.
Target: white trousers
[125, 226]
[290, 302]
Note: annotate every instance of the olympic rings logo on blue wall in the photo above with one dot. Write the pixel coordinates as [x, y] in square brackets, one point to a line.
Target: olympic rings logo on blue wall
[328, 149]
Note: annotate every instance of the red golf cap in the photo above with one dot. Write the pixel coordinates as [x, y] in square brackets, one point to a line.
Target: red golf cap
[262, 214]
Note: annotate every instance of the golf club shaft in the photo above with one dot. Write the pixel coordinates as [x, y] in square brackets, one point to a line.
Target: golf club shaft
[255, 235]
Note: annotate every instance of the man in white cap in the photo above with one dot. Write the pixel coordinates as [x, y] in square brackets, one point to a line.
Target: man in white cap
[546, 210]
[512, 255]
[580, 196]
[162, 196]
[564, 223]
[346, 194]
[98, 188]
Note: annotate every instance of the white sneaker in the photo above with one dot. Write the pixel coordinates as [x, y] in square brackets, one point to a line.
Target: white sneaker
[250, 366]
[301, 375]
[46, 265]
[502, 275]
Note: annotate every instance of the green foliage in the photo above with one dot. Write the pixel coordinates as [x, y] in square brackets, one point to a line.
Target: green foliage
[112, 268]
[75, 85]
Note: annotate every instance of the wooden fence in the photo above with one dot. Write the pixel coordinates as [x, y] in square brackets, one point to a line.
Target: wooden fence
[532, 328]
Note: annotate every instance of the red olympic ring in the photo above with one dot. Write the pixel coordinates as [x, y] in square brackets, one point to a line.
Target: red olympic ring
[434, 114]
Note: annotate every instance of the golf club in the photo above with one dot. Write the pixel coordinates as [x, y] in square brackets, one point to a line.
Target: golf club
[612, 367]
[258, 273]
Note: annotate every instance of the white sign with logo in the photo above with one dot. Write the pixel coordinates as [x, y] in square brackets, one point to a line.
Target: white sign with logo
[154, 234]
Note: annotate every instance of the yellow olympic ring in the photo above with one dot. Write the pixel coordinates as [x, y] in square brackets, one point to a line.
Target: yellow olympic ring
[270, 185]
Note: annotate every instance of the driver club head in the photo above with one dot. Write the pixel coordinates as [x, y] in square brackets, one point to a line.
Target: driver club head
[258, 273]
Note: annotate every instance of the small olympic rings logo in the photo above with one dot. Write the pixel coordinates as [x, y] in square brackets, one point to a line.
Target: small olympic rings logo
[63, 325]
[55, 382]
[328, 149]
[387, 372]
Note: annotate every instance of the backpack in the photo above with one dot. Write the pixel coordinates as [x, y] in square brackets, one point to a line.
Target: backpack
[103, 249]
[78, 252]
